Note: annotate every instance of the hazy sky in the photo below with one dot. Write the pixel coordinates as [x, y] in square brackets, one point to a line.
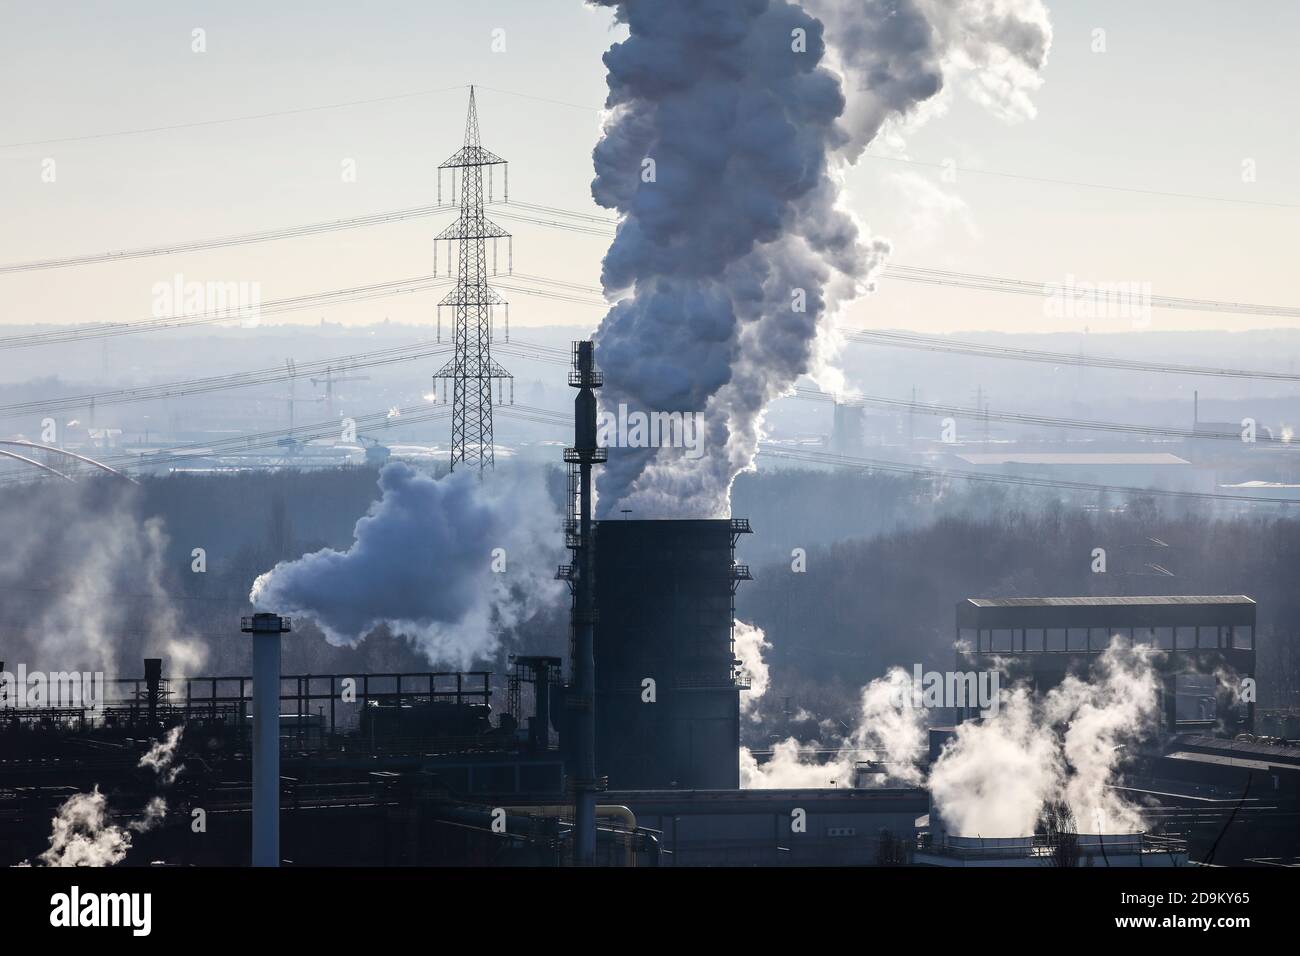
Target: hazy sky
[1185, 93]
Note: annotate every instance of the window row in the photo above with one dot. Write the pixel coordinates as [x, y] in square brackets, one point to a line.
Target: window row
[1017, 640]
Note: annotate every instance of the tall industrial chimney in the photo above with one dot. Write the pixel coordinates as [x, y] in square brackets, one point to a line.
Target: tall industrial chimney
[578, 537]
[266, 630]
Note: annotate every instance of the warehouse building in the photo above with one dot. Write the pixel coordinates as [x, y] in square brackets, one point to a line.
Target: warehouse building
[1208, 645]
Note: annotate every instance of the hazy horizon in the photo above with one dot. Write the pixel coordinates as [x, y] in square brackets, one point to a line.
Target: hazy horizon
[1143, 115]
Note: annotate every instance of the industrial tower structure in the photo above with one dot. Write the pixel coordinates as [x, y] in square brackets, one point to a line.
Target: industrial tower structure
[471, 370]
[579, 537]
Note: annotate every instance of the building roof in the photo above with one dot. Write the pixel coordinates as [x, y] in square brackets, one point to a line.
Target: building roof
[1071, 458]
[1112, 601]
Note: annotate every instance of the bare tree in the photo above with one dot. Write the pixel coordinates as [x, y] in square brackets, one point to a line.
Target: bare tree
[1057, 828]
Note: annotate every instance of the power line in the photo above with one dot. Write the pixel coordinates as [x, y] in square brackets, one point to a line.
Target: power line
[588, 225]
[275, 306]
[58, 336]
[196, 245]
[543, 99]
[771, 450]
[233, 119]
[292, 232]
[122, 396]
[872, 464]
[1022, 418]
[364, 423]
[988, 283]
[1083, 185]
[911, 340]
[596, 109]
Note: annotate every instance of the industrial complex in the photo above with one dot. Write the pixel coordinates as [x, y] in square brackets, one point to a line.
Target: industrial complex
[627, 753]
[817, 541]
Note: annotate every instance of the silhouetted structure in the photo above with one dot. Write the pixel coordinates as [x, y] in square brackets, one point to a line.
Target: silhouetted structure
[471, 370]
[667, 691]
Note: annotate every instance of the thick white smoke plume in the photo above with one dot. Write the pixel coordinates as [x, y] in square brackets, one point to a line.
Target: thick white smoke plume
[995, 776]
[448, 563]
[892, 735]
[727, 135]
[82, 834]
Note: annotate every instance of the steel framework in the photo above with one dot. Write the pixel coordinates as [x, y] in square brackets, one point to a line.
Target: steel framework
[471, 371]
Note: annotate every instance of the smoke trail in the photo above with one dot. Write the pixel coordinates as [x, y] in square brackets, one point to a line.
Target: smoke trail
[895, 56]
[162, 755]
[154, 813]
[446, 562]
[102, 602]
[722, 152]
[995, 777]
[82, 834]
[895, 735]
[750, 644]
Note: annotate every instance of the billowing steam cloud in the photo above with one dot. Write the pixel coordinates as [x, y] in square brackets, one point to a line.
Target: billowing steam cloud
[446, 562]
[83, 833]
[895, 55]
[994, 778]
[893, 735]
[727, 134]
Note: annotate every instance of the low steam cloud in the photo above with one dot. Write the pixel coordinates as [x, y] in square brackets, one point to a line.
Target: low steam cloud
[448, 563]
[103, 603]
[892, 735]
[995, 777]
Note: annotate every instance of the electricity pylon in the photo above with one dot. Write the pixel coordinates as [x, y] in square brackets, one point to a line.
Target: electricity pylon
[471, 370]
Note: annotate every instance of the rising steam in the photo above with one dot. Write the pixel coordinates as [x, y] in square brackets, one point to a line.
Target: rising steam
[727, 135]
[750, 644]
[994, 778]
[448, 563]
[161, 756]
[997, 774]
[104, 602]
[891, 735]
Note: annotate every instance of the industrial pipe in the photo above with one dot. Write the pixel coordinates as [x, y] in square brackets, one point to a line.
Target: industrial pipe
[606, 810]
[266, 630]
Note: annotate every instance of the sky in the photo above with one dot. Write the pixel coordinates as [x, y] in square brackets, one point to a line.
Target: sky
[1184, 98]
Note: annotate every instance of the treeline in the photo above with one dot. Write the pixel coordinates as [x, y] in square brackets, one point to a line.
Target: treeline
[863, 606]
[885, 560]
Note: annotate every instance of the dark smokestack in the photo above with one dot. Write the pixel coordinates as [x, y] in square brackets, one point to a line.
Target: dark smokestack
[580, 458]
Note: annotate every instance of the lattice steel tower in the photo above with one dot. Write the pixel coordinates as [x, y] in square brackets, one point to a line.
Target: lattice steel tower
[472, 371]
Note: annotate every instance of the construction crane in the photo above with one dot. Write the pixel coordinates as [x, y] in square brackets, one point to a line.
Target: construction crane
[329, 380]
[291, 400]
